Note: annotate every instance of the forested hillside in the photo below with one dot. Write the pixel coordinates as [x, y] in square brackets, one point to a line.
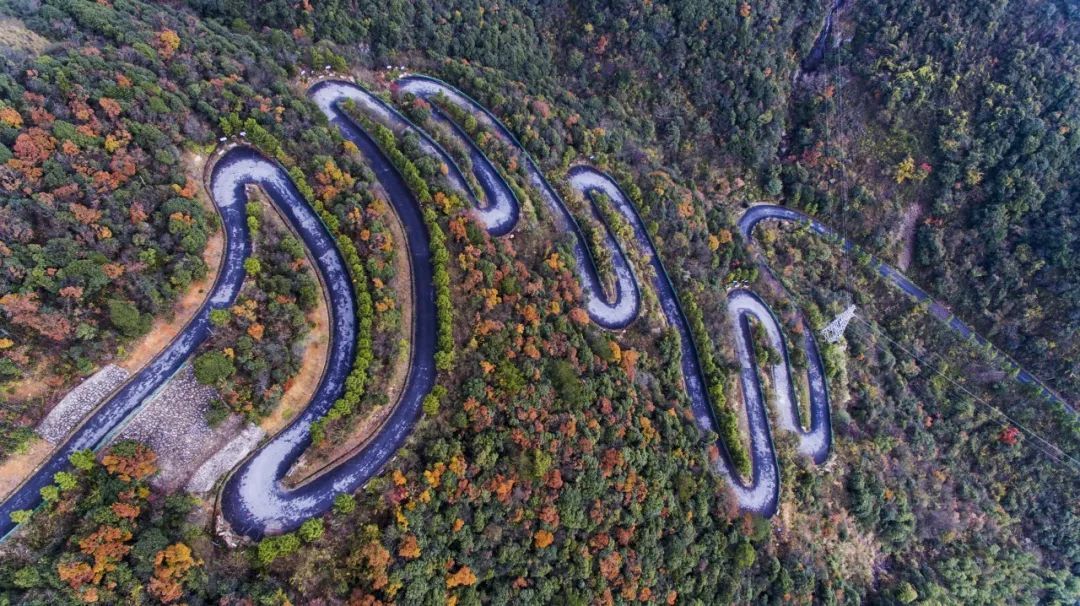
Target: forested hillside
[965, 116]
[558, 462]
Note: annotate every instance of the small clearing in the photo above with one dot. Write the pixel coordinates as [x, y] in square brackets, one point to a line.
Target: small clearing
[907, 235]
[15, 35]
[39, 383]
[20, 465]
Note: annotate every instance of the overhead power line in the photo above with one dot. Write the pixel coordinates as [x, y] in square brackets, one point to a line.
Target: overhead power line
[836, 105]
[1072, 461]
[1055, 452]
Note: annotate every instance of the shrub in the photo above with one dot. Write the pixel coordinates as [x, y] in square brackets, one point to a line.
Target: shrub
[220, 317]
[252, 266]
[344, 504]
[127, 319]
[21, 516]
[311, 530]
[83, 460]
[272, 548]
[213, 367]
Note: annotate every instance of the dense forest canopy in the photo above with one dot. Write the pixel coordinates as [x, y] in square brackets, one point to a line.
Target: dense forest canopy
[997, 86]
[557, 462]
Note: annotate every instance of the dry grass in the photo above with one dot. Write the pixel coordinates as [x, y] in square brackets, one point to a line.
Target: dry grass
[13, 34]
[19, 465]
[39, 383]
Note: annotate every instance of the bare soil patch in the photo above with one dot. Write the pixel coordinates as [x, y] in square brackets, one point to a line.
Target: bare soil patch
[39, 384]
[907, 235]
[18, 466]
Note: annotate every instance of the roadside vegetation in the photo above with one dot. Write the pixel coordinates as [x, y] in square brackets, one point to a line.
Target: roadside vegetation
[255, 350]
[557, 462]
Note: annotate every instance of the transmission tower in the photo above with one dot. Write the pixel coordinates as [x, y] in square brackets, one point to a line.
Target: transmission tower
[835, 329]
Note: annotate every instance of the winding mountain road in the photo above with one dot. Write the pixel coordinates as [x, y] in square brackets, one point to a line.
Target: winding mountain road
[254, 500]
[498, 208]
[110, 417]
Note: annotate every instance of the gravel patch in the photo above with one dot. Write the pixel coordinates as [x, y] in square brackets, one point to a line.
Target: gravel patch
[207, 475]
[173, 423]
[69, 412]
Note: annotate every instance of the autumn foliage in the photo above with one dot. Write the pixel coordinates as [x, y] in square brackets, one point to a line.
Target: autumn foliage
[543, 538]
[409, 548]
[130, 461]
[167, 43]
[171, 565]
[464, 577]
[1009, 436]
